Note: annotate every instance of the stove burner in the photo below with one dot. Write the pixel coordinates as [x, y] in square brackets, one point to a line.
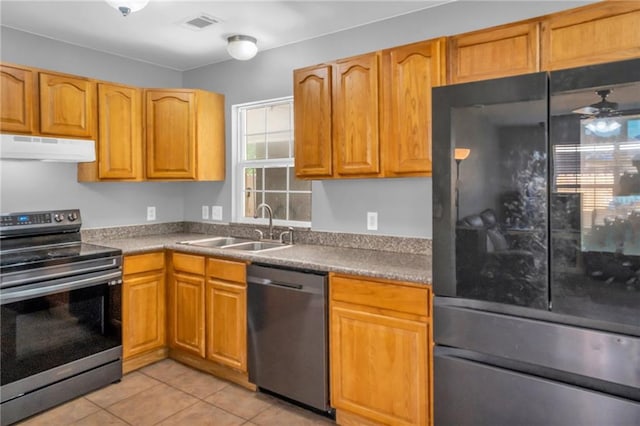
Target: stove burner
[38, 254]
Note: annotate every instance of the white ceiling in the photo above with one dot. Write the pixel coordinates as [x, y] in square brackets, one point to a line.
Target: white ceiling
[157, 33]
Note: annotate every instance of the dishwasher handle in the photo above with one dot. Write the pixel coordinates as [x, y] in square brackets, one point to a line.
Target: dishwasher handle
[268, 282]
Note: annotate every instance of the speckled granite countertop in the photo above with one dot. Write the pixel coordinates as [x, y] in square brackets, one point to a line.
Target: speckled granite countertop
[379, 264]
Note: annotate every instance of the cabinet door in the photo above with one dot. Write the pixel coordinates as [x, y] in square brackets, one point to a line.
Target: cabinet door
[67, 106]
[187, 313]
[143, 313]
[170, 134]
[17, 100]
[143, 304]
[226, 325]
[312, 115]
[120, 132]
[496, 52]
[602, 32]
[409, 73]
[379, 366]
[356, 116]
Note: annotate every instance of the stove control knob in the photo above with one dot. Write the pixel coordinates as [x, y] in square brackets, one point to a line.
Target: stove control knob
[72, 216]
[58, 217]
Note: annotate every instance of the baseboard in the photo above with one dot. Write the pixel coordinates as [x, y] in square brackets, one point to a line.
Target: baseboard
[221, 371]
[138, 361]
[346, 418]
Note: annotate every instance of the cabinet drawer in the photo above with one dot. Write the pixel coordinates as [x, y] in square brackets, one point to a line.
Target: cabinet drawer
[227, 270]
[188, 263]
[143, 262]
[380, 294]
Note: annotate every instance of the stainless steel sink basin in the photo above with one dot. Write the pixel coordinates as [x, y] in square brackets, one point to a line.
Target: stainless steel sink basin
[234, 243]
[215, 241]
[256, 246]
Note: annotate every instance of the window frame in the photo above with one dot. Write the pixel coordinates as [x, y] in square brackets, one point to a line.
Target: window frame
[238, 165]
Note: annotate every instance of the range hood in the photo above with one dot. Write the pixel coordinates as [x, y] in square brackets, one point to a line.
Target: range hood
[24, 147]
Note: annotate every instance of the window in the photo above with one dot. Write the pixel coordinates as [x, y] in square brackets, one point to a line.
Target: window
[264, 167]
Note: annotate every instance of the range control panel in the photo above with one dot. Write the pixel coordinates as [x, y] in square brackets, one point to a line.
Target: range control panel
[11, 223]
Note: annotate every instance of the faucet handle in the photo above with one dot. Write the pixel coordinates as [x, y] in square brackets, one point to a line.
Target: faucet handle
[288, 232]
[260, 234]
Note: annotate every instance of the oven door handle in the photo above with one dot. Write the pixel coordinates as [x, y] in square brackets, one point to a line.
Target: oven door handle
[17, 294]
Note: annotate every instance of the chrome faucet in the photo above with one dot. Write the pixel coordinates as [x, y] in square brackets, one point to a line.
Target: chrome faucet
[270, 212]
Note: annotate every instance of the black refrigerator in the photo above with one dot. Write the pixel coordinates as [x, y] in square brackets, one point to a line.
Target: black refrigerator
[536, 248]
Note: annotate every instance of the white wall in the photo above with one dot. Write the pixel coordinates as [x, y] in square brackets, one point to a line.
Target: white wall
[404, 205]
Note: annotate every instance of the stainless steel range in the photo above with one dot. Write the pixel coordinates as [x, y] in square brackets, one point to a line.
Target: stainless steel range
[60, 305]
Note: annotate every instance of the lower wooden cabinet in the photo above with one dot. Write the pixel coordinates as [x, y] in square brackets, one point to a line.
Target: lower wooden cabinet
[226, 313]
[143, 307]
[380, 351]
[186, 304]
[208, 314]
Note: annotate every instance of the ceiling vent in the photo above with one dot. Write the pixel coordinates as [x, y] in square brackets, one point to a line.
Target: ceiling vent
[200, 22]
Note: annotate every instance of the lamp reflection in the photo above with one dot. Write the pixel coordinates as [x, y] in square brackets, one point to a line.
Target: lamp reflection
[459, 154]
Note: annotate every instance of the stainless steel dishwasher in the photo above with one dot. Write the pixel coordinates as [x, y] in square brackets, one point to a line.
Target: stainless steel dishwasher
[287, 334]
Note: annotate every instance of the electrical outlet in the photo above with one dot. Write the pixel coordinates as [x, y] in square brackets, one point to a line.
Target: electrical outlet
[205, 212]
[151, 213]
[216, 212]
[372, 221]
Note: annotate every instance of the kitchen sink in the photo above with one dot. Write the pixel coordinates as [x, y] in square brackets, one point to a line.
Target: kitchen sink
[257, 246]
[216, 241]
[235, 243]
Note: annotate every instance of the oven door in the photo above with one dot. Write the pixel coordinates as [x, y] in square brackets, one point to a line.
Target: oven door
[56, 329]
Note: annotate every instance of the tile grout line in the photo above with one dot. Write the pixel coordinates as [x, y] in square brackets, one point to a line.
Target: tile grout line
[276, 402]
[197, 399]
[228, 383]
[116, 416]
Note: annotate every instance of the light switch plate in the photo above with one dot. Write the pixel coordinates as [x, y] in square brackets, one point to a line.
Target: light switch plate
[372, 221]
[205, 212]
[216, 212]
[151, 213]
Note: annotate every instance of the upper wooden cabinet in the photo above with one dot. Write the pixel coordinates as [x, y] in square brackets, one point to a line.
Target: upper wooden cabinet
[17, 90]
[336, 113]
[313, 124]
[46, 103]
[185, 128]
[67, 105]
[495, 52]
[375, 107]
[184, 134]
[119, 144]
[356, 116]
[410, 73]
[602, 32]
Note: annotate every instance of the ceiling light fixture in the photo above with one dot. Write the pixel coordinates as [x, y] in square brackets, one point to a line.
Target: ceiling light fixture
[127, 6]
[242, 47]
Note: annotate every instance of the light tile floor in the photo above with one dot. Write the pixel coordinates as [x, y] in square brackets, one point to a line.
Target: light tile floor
[169, 393]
